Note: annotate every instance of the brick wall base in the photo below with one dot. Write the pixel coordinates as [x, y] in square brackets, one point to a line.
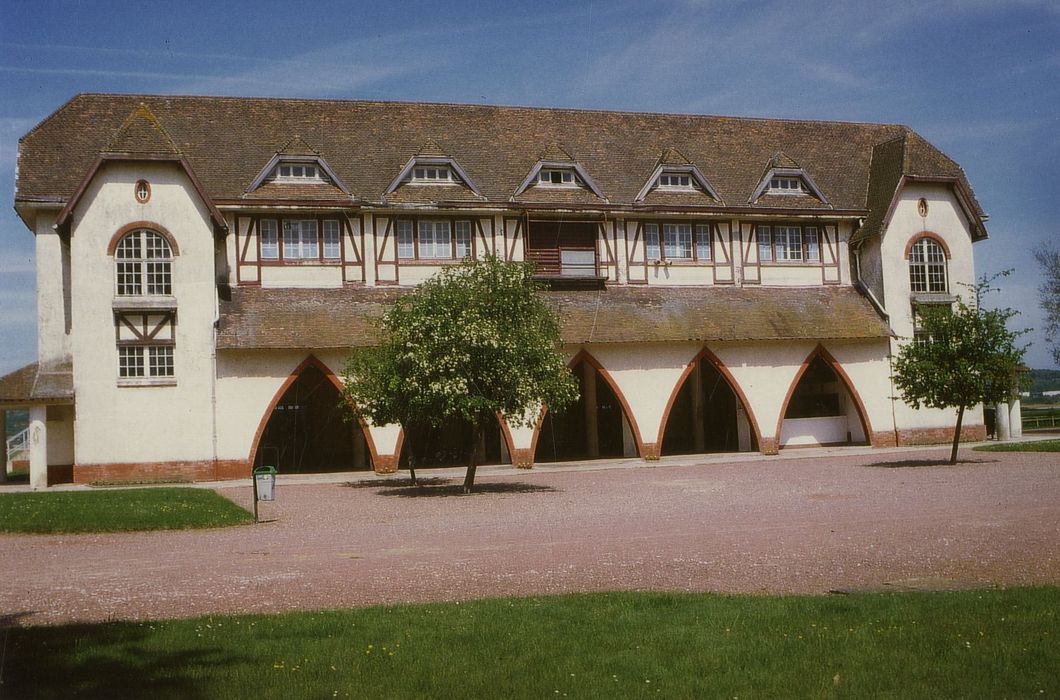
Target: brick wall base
[385, 464]
[651, 450]
[939, 436]
[523, 458]
[128, 472]
[883, 438]
[769, 446]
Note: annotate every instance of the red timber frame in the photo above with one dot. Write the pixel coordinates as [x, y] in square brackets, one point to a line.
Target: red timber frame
[585, 355]
[707, 355]
[351, 246]
[819, 351]
[291, 378]
[827, 242]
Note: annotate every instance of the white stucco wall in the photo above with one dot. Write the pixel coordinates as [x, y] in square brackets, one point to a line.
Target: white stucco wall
[142, 423]
[53, 341]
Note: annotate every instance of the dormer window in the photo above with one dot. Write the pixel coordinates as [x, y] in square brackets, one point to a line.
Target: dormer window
[675, 181]
[297, 172]
[557, 177]
[433, 175]
[785, 185]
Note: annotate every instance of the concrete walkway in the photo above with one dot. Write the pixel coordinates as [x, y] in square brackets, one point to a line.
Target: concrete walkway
[809, 521]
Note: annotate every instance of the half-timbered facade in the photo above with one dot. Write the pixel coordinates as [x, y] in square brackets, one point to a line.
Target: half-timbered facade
[723, 284]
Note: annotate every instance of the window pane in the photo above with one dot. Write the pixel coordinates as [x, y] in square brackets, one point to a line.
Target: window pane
[331, 239]
[130, 362]
[270, 240]
[463, 239]
[813, 249]
[651, 242]
[160, 361]
[404, 240]
[310, 248]
[765, 249]
[677, 241]
[703, 251]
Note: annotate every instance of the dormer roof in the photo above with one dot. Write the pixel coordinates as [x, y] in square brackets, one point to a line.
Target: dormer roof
[428, 154]
[673, 161]
[297, 150]
[780, 165]
[556, 157]
[141, 134]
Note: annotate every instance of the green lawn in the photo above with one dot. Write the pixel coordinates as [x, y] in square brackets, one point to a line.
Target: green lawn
[994, 643]
[117, 510]
[1036, 446]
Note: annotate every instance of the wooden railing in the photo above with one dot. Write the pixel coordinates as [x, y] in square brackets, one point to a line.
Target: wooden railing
[1050, 422]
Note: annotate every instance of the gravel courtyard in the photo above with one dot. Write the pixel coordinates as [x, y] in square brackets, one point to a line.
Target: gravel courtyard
[856, 520]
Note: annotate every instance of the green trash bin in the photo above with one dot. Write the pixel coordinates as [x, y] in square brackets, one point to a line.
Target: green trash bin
[265, 483]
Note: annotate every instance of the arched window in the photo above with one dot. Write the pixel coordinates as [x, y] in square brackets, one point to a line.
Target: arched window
[927, 266]
[143, 264]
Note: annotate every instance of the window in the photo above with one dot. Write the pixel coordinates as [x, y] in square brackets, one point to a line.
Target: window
[557, 177]
[432, 174]
[788, 243]
[143, 264]
[142, 191]
[433, 239]
[785, 185]
[300, 240]
[297, 172]
[677, 242]
[927, 267]
[136, 361]
[145, 344]
[675, 180]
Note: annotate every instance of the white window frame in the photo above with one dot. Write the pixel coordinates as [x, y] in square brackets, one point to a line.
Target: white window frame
[546, 177]
[928, 268]
[269, 235]
[786, 184]
[788, 244]
[143, 265]
[331, 240]
[300, 239]
[298, 171]
[683, 182]
[432, 175]
[433, 240]
[678, 242]
[146, 362]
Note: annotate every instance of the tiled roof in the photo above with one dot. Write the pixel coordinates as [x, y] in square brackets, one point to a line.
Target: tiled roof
[53, 383]
[227, 141]
[257, 318]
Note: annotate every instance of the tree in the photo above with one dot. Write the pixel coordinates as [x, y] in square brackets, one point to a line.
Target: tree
[966, 356]
[473, 342]
[1049, 295]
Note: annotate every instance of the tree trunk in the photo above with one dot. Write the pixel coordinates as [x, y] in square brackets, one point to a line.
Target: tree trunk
[472, 455]
[957, 435]
[412, 458]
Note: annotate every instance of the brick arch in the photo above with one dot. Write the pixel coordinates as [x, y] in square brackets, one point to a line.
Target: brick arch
[927, 234]
[136, 226]
[309, 361]
[820, 351]
[585, 355]
[706, 354]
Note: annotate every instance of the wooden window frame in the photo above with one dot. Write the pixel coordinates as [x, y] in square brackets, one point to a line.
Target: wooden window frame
[143, 264]
[291, 178]
[575, 182]
[416, 258]
[794, 191]
[281, 259]
[803, 239]
[695, 259]
[918, 245]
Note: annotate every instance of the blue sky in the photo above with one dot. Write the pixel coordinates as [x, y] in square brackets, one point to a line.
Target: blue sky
[979, 78]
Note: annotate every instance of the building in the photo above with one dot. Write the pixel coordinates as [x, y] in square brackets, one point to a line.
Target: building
[204, 265]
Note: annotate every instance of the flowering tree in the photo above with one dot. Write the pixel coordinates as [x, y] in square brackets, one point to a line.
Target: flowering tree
[967, 356]
[473, 342]
[1049, 295]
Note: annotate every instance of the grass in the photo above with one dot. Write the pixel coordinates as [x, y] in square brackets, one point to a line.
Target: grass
[1036, 446]
[117, 511]
[992, 643]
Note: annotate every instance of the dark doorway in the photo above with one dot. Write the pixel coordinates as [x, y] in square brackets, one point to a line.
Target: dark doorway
[707, 416]
[563, 248]
[569, 435]
[448, 445]
[307, 431]
[821, 410]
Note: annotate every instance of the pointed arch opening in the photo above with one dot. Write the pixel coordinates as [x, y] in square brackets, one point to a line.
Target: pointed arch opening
[822, 406]
[597, 426]
[707, 412]
[448, 444]
[305, 428]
